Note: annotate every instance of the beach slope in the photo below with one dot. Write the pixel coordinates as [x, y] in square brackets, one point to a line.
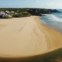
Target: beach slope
[24, 37]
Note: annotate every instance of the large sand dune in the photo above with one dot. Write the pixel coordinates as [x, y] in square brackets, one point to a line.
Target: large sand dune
[23, 37]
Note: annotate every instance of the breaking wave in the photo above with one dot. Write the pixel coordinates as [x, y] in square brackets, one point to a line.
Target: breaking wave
[53, 21]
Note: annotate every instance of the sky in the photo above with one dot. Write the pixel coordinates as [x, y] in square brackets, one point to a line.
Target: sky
[50, 4]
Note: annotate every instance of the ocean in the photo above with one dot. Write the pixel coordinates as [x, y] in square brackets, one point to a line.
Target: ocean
[53, 20]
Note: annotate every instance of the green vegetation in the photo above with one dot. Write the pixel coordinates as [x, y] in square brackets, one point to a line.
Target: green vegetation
[23, 12]
[10, 13]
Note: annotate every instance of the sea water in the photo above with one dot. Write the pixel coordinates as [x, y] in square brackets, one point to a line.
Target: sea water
[53, 20]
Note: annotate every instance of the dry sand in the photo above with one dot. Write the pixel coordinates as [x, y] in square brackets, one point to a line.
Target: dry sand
[23, 37]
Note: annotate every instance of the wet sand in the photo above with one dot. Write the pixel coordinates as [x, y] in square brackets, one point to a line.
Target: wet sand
[24, 37]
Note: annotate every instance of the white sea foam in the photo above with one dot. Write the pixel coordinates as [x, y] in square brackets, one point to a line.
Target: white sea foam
[53, 18]
[52, 21]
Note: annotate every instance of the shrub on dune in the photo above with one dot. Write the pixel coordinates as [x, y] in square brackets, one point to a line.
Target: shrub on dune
[16, 15]
[21, 14]
[25, 14]
[5, 16]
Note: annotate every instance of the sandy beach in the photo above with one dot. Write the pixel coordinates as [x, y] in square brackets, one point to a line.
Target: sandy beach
[23, 37]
